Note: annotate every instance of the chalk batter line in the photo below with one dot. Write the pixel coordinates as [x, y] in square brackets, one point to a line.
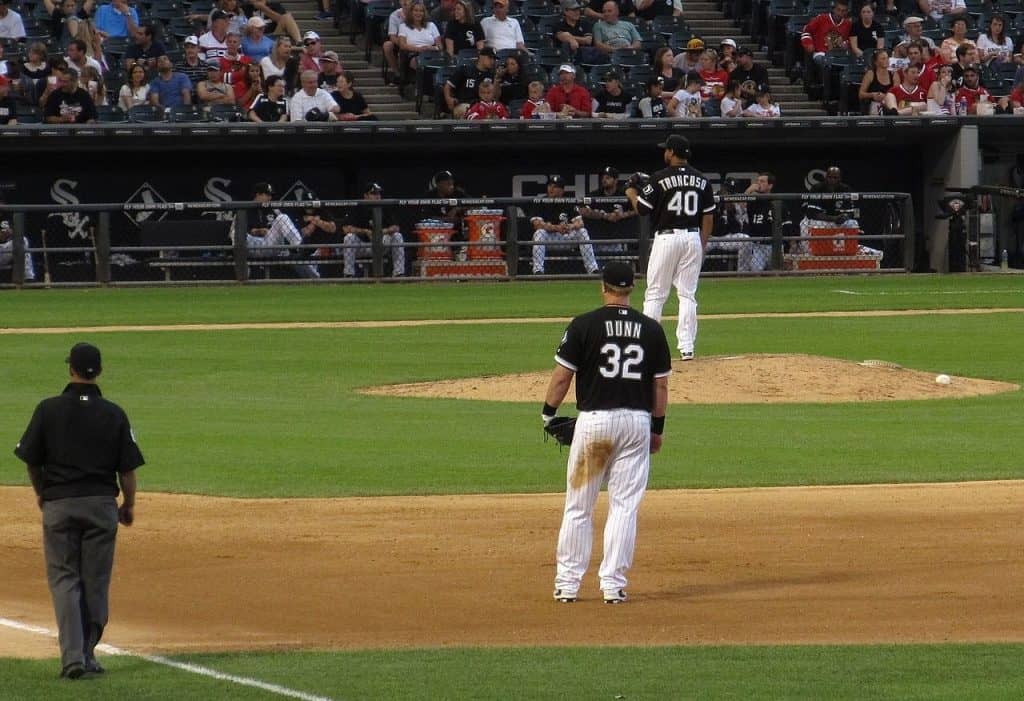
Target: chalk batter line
[286, 325]
[928, 293]
[184, 666]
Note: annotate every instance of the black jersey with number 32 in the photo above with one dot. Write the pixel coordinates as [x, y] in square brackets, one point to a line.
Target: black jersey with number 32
[616, 352]
[678, 197]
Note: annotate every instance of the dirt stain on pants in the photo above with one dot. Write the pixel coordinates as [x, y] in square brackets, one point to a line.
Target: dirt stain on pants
[591, 463]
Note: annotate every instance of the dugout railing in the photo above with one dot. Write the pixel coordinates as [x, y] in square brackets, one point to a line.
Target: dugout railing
[880, 238]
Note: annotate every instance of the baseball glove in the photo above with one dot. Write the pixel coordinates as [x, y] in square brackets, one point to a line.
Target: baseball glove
[638, 180]
[561, 428]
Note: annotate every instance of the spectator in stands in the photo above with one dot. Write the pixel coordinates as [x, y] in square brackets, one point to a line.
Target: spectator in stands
[824, 33]
[937, 9]
[31, 82]
[326, 11]
[763, 107]
[56, 65]
[236, 18]
[351, 105]
[68, 21]
[906, 97]
[253, 85]
[255, 43]
[312, 52]
[567, 98]
[652, 105]
[213, 90]
[213, 44]
[270, 106]
[11, 24]
[752, 77]
[972, 92]
[92, 82]
[418, 34]
[135, 91]
[78, 58]
[7, 232]
[358, 230]
[68, 103]
[486, 107]
[536, 107]
[390, 49]
[116, 19]
[460, 90]
[727, 54]
[611, 33]
[715, 79]
[463, 31]
[732, 102]
[274, 233]
[689, 61]
[281, 63]
[966, 55]
[575, 37]
[330, 69]
[500, 31]
[941, 95]
[234, 66]
[687, 103]
[8, 107]
[993, 45]
[312, 103]
[145, 49]
[509, 78]
[595, 10]
[612, 102]
[667, 74]
[959, 34]
[169, 88]
[866, 33]
[279, 20]
[442, 14]
[191, 65]
[607, 220]
[875, 84]
[647, 10]
[914, 28]
[559, 224]
[1014, 104]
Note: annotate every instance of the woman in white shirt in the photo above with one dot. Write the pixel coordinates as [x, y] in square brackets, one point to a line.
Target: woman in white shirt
[764, 108]
[994, 45]
[417, 35]
[136, 90]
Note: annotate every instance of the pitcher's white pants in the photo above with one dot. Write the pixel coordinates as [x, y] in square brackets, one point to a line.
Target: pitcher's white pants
[675, 260]
[624, 436]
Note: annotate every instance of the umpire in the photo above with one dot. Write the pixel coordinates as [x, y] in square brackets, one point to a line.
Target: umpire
[78, 447]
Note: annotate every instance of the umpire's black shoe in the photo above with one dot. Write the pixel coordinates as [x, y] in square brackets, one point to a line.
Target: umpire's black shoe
[75, 670]
[93, 667]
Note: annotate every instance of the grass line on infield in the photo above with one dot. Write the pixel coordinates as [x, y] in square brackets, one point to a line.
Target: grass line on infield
[907, 672]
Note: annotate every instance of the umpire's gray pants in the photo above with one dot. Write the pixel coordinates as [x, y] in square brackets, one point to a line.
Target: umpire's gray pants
[78, 540]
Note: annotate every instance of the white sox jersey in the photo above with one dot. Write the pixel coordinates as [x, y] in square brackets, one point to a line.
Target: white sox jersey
[677, 197]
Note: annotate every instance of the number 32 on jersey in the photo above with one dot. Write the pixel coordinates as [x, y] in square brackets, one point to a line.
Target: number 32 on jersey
[621, 362]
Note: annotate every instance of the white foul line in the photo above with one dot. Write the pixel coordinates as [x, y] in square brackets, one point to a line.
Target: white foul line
[917, 293]
[184, 666]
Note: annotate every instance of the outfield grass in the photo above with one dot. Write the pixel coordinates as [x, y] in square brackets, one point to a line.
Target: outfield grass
[904, 672]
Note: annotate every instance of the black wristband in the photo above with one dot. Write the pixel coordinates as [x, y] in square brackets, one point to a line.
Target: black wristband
[549, 410]
[657, 425]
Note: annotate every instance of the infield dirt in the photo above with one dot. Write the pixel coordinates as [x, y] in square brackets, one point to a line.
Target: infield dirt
[905, 563]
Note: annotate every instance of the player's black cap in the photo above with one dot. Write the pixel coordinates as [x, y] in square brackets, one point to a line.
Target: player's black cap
[677, 144]
[373, 187]
[618, 274]
[556, 180]
[610, 170]
[443, 176]
[262, 189]
[84, 359]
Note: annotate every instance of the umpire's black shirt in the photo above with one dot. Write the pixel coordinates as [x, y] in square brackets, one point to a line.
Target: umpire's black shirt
[81, 441]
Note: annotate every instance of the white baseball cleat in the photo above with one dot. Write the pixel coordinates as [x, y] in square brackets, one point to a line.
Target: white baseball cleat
[564, 597]
[615, 597]
[686, 355]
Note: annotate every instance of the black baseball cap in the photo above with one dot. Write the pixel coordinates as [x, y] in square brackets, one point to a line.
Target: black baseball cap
[556, 180]
[677, 144]
[487, 51]
[618, 274]
[373, 187]
[610, 170]
[219, 14]
[744, 51]
[443, 175]
[262, 189]
[84, 359]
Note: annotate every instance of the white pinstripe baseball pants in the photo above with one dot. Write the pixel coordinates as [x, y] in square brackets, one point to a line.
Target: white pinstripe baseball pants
[675, 260]
[624, 436]
[281, 232]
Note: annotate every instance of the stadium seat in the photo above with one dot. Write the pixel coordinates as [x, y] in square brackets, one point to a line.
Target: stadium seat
[110, 114]
[146, 113]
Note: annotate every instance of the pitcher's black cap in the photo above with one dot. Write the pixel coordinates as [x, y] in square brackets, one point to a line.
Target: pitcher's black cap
[618, 274]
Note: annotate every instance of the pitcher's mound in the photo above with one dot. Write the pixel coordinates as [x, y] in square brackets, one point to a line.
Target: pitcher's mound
[737, 379]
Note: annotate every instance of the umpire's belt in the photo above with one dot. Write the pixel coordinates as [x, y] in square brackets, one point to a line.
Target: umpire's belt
[665, 232]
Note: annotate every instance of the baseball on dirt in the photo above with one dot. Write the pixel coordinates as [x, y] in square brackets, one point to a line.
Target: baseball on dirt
[943, 379]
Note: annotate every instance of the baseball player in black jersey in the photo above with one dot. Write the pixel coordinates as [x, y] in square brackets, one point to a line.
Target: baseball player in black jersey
[680, 200]
[621, 361]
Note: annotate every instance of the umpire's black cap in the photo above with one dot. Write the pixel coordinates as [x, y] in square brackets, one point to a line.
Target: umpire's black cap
[618, 274]
[84, 359]
[677, 144]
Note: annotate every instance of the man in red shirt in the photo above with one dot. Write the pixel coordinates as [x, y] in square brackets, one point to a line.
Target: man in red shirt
[567, 99]
[972, 92]
[233, 65]
[906, 97]
[829, 30]
[487, 107]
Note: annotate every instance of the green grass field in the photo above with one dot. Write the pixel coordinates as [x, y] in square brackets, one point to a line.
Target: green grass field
[275, 413]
